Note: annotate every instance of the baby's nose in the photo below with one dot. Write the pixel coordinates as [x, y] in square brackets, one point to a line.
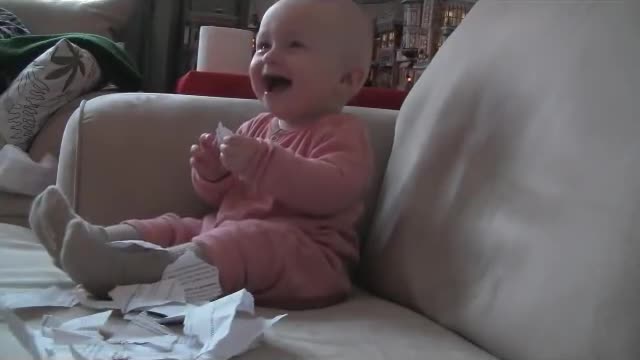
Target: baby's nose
[271, 56]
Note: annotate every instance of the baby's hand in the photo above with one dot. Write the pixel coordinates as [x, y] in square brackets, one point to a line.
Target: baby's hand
[205, 158]
[237, 151]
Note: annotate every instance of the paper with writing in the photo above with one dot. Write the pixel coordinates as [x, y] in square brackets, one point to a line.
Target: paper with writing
[133, 297]
[199, 279]
[136, 243]
[49, 297]
[144, 330]
[168, 314]
[204, 320]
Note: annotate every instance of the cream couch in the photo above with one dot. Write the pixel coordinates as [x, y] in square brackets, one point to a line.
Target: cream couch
[506, 224]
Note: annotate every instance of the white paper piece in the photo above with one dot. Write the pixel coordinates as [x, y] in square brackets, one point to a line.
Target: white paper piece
[21, 175]
[199, 279]
[80, 330]
[98, 351]
[226, 327]
[168, 314]
[144, 330]
[29, 339]
[133, 297]
[204, 320]
[222, 132]
[50, 297]
[235, 336]
[105, 351]
[135, 243]
[89, 322]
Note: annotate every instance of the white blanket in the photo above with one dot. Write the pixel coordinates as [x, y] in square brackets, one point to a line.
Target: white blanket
[21, 175]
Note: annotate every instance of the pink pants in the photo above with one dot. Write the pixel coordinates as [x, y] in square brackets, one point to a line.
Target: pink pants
[277, 262]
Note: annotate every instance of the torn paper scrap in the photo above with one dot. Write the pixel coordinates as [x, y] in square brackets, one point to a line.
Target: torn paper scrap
[89, 322]
[221, 133]
[21, 175]
[135, 243]
[98, 351]
[29, 339]
[144, 330]
[80, 330]
[49, 297]
[134, 297]
[235, 336]
[204, 320]
[105, 351]
[168, 314]
[199, 279]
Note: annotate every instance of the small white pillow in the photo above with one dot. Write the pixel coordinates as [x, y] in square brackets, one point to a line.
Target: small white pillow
[55, 78]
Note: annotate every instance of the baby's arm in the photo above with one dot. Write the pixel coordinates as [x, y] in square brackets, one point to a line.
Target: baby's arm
[331, 179]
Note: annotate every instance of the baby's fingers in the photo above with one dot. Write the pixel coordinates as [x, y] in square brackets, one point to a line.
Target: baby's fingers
[207, 141]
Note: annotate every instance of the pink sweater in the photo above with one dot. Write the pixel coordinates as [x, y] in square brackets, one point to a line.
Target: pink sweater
[285, 228]
[314, 177]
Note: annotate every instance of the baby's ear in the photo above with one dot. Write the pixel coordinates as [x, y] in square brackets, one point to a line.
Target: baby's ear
[353, 80]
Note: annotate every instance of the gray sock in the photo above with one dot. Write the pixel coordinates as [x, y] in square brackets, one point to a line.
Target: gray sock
[49, 216]
[89, 261]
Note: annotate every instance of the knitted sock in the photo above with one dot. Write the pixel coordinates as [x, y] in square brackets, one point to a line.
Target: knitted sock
[89, 261]
[50, 215]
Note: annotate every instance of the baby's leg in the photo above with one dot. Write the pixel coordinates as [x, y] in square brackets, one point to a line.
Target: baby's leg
[89, 260]
[50, 215]
[278, 263]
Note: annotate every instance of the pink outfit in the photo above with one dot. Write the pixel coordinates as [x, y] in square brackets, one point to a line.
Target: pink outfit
[285, 226]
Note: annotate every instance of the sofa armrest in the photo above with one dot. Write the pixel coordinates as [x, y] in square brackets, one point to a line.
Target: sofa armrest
[127, 155]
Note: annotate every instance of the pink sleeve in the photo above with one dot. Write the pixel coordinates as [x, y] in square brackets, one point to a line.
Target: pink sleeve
[211, 192]
[331, 179]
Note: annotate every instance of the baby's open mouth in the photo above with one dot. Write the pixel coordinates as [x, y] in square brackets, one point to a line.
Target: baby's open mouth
[274, 83]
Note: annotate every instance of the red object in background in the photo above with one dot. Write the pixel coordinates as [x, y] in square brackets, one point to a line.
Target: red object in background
[239, 86]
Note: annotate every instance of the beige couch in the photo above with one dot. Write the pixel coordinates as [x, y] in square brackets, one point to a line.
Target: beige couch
[506, 224]
[109, 18]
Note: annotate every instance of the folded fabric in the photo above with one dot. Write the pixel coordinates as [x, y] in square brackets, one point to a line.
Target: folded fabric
[21, 175]
[18, 52]
[55, 78]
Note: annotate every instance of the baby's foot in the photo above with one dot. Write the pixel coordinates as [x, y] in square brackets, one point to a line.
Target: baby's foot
[90, 261]
[50, 214]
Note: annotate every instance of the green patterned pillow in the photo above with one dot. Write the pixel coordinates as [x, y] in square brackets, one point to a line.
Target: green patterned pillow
[55, 78]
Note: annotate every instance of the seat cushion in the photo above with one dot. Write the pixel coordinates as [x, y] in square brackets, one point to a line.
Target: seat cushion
[510, 204]
[364, 327]
[49, 138]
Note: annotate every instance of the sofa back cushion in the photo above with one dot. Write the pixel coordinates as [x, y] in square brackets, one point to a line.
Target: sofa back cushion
[510, 206]
[126, 156]
[101, 17]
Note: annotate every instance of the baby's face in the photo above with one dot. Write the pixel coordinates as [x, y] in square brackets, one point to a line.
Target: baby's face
[297, 68]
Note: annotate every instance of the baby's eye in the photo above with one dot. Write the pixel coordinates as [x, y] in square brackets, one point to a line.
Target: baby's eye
[296, 44]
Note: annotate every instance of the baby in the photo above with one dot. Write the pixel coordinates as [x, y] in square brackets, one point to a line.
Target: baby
[288, 186]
